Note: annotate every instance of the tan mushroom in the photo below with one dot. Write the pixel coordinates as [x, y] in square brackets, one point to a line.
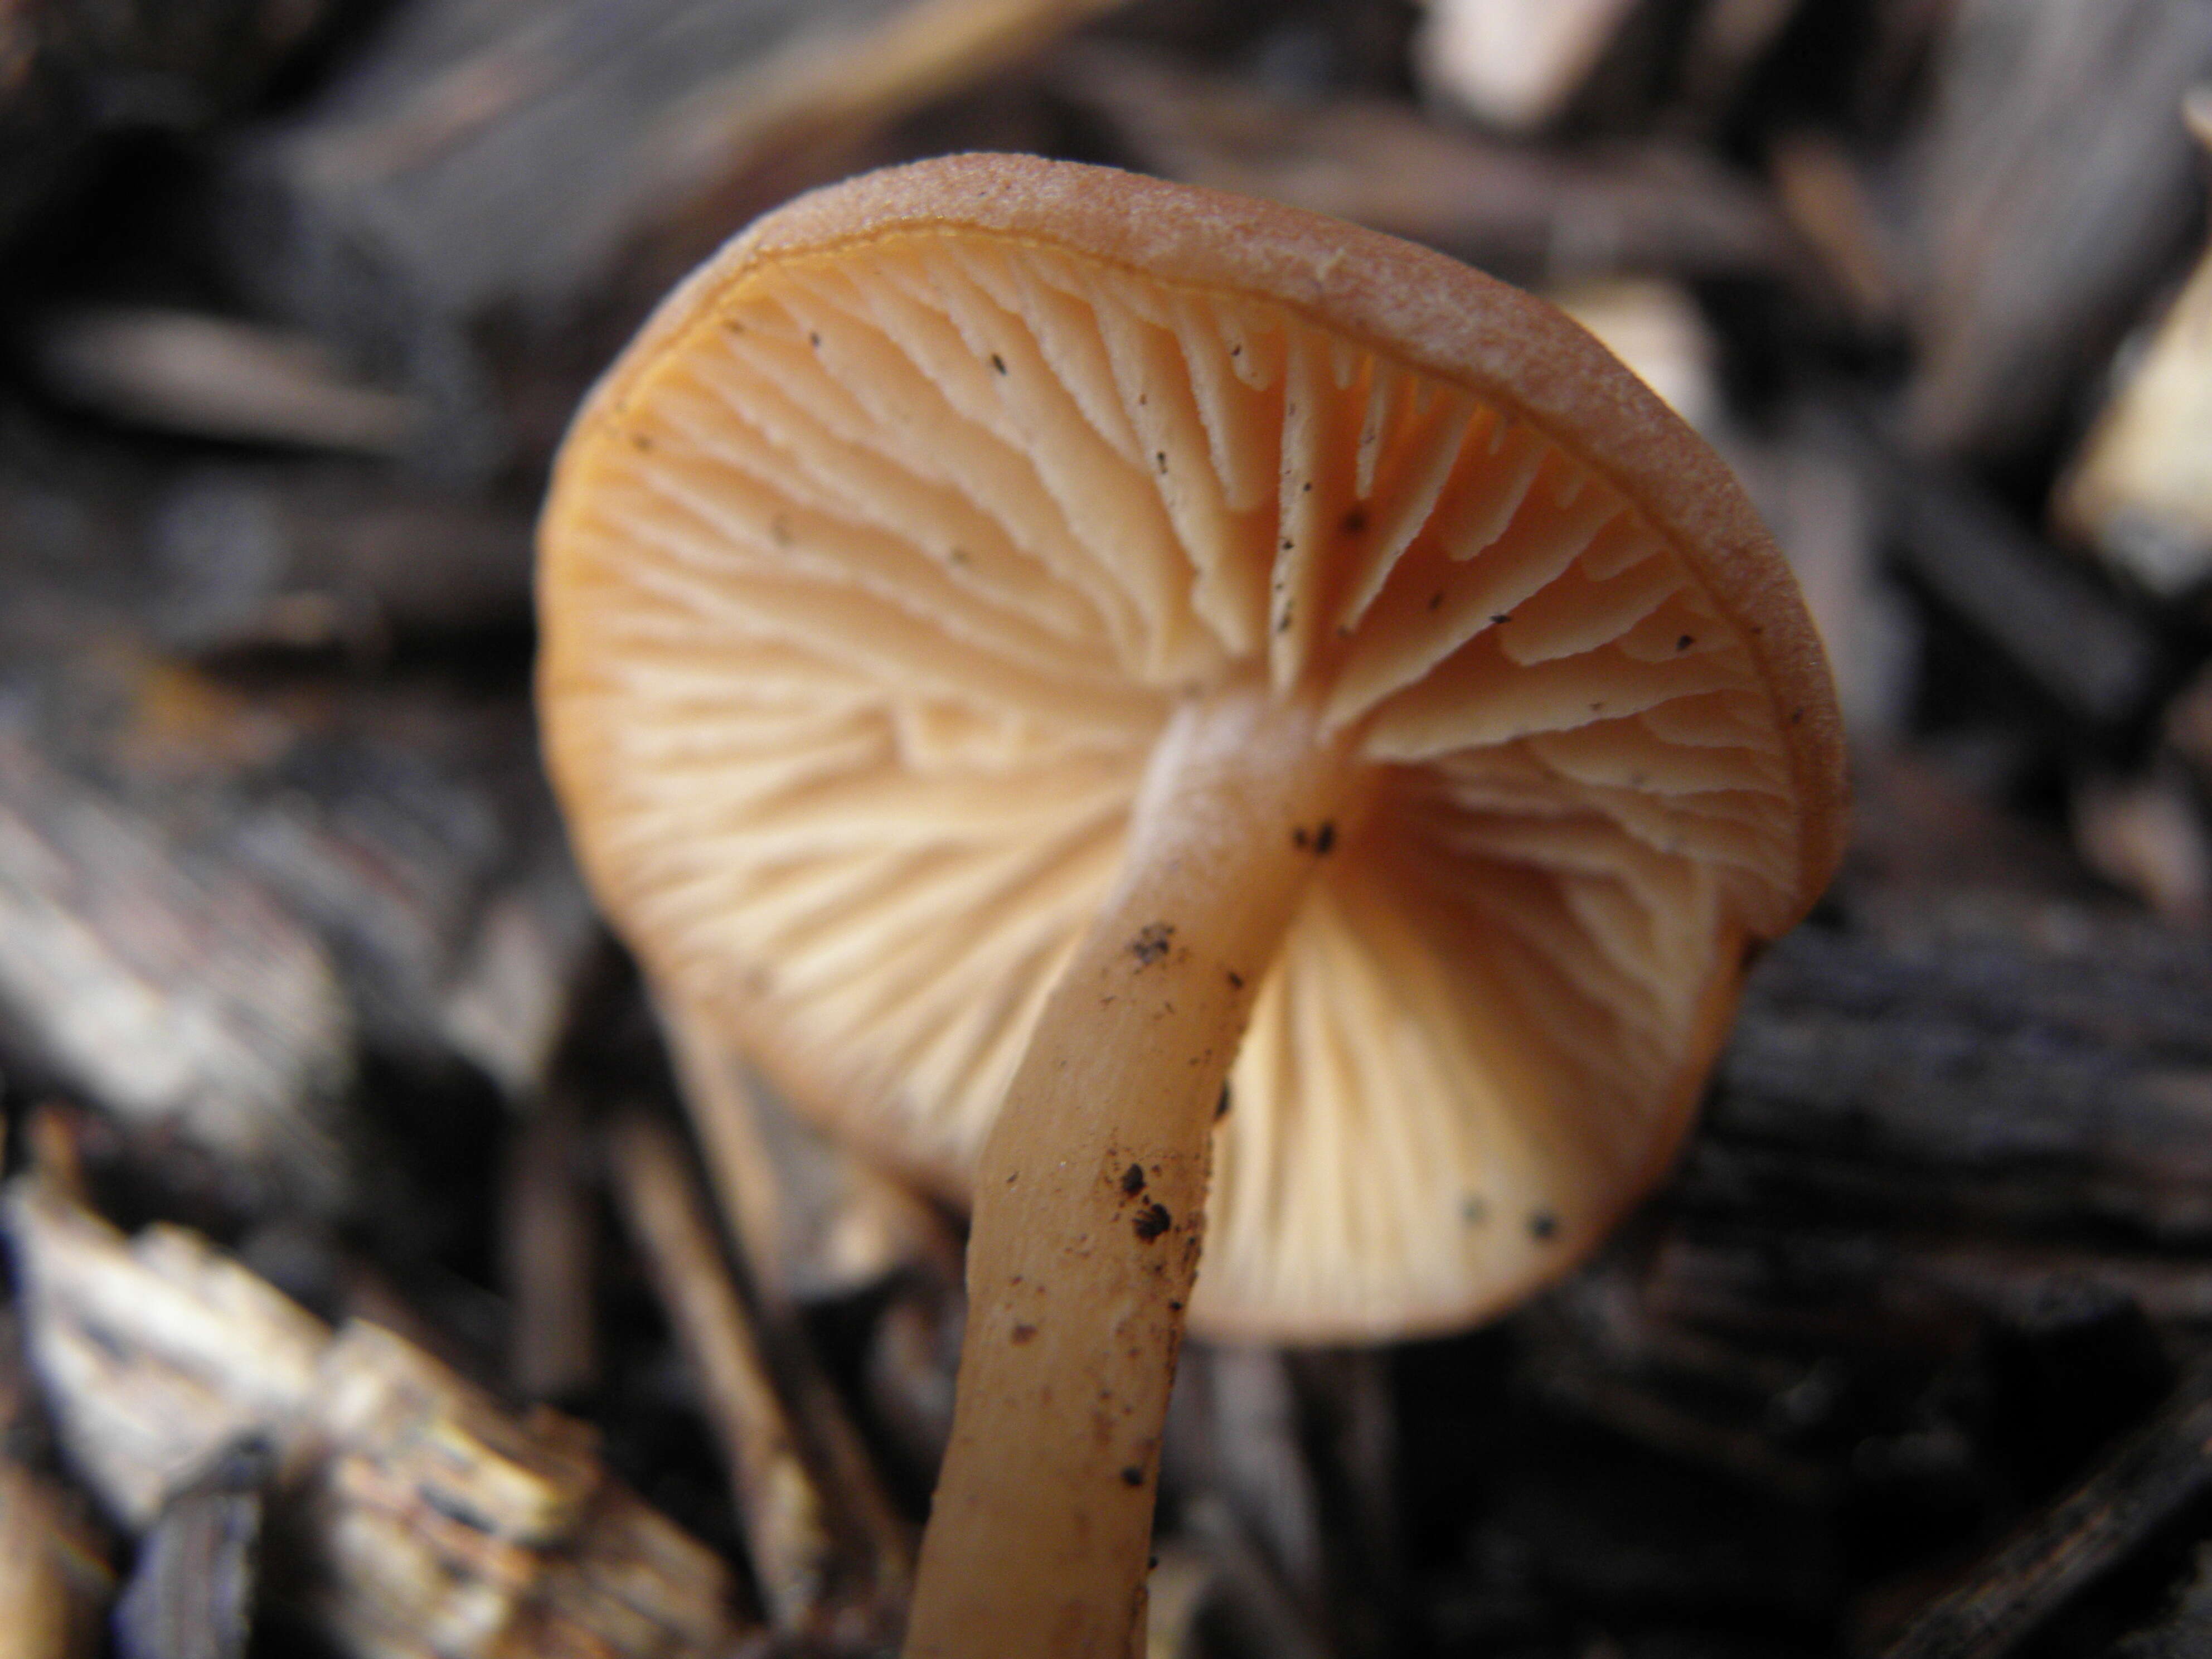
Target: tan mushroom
[1012, 629]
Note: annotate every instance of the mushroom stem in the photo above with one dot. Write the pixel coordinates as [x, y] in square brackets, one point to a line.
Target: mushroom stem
[1090, 1196]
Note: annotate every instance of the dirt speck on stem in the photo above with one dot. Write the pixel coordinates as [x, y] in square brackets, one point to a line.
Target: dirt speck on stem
[1152, 943]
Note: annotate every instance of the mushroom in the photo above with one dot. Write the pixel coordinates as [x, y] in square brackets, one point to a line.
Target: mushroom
[1013, 630]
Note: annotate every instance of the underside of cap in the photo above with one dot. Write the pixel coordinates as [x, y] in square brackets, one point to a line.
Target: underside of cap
[874, 570]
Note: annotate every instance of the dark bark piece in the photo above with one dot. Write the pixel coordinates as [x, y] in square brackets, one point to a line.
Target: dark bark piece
[1246, 1591]
[523, 954]
[813, 1223]
[548, 1238]
[2098, 975]
[504, 158]
[510, 994]
[192, 1585]
[2058, 186]
[1693, 1347]
[316, 556]
[829, 1553]
[2043, 1064]
[1570, 1385]
[879, 1539]
[1875, 1287]
[1525, 213]
[2187, 1632]
[412, 829]
[2143, 1483]
[72, 71]
[914, 1356]
[210, 558]
[1729, 40]
[2065, 633]
[1234, 1433]
[1922, 830]
[1606, 1523]
[1348, 1407]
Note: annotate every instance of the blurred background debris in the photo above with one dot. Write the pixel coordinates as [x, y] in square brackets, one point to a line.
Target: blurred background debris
[388, 1276]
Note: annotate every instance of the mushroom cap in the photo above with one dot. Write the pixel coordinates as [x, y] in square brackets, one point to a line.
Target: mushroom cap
[871, 570]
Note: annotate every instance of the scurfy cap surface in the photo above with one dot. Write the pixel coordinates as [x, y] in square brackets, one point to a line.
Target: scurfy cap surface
[873, 569]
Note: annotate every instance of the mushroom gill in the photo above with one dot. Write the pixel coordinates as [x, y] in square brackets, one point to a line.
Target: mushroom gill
[882, 589]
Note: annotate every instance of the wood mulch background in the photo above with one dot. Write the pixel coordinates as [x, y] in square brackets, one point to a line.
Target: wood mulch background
[368, 1295]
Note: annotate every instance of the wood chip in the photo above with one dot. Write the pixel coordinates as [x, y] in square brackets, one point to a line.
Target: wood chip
[339, 863]
[1900, 1287]
[428, 1522]
[216, 378]
[815, 1222]
[1654, 326]
[1250, 1597]
[153, 1354]
[2147, 835]
[178, 993]
[2136, 1488]
[1515, 65]
[1823, 189]
[914, 1358]
[509, 992]
[2140, 492]
[439, 1526]
[1176, 1592]
[787, 1524]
